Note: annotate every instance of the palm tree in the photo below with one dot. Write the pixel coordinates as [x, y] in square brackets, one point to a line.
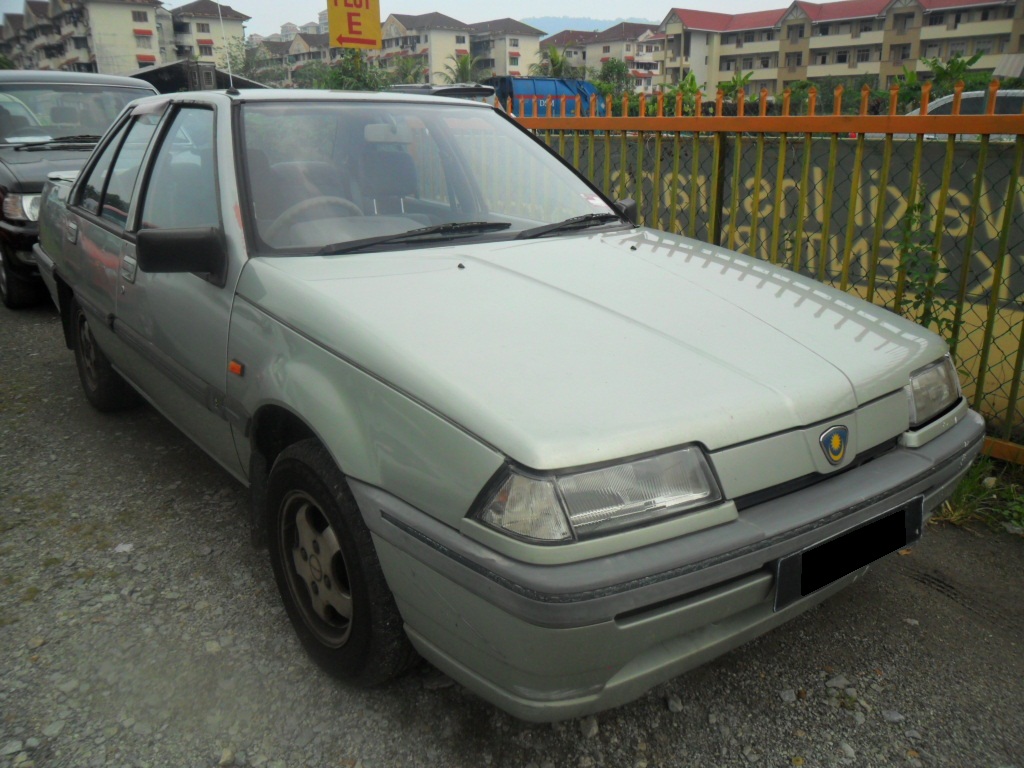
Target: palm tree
[554, 63]
[463, 69]
[408, 69]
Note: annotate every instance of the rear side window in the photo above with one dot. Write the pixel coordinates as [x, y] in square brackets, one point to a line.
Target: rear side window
[92, 189]
[117, 197]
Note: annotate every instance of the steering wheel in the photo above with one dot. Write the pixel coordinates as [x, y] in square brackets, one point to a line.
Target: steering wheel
[292, 214]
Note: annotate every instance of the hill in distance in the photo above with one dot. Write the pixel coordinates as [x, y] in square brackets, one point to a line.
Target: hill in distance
[553, 24]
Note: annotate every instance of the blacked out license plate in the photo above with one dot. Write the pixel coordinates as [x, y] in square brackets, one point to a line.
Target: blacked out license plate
[807, 571]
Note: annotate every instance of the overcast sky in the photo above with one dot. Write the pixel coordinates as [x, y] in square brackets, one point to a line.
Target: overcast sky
[269, 15]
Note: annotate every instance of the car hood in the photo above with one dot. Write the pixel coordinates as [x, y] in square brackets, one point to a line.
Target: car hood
[567, 351]
[29, 168]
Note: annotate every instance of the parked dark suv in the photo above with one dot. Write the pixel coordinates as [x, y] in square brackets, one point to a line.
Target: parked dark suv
[49, 121]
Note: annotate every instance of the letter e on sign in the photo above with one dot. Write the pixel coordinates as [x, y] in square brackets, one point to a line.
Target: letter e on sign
[354, 23]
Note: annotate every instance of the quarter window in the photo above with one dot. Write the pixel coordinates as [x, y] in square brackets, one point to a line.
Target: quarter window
[206, 50]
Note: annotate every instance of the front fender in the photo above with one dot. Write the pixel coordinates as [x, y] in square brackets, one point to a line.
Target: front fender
[376, 434]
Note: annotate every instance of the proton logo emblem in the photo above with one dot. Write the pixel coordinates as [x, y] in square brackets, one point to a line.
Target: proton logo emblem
[833, 442]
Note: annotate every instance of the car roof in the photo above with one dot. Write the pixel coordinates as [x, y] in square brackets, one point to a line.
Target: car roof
[307, 95]
[1001, 95]
[36, 76]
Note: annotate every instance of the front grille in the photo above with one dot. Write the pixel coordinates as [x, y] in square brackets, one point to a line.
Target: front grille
[799, 483]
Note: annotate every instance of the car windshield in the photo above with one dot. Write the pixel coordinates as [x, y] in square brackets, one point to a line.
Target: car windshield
[343, 176]
[40, 112]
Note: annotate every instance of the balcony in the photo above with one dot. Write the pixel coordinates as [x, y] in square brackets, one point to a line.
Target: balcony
[967, 29]
[758, 46]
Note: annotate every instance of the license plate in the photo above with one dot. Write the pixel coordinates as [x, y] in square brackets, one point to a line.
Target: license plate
[802, 573]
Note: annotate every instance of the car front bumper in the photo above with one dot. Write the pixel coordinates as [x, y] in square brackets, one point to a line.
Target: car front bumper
[548, 642]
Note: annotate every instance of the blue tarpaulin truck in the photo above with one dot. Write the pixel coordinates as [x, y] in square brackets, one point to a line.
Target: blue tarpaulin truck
[530, 94]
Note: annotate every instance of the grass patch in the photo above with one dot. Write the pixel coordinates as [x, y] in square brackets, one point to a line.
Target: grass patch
[992, 492]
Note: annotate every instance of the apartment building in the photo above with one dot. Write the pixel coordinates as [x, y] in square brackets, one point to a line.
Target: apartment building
[638, 45]
[202, 30]
[869, 40]
[571, 43]
[116, 37]
[505, 46]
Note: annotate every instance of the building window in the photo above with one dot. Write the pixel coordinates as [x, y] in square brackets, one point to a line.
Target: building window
[769, 35]
[766, 62]
[201, 27]
[867, 26]
[842, 57]
[904, 21]
[628, 47]
[958, 48]
[514, 42]
[748, 37]
[821, 58]
[931, 51]
[727, 65]
[81, 43]
[795, 31]
[606, 49]
[513, 61]
[727, 39]
[748, 63]
[143, 41]
[460, 39]
[863, 54]
[985, 14]
[206, 50]
[823, 30]
[794, 59]
[936, 20]
[140, 16]
[983, 47]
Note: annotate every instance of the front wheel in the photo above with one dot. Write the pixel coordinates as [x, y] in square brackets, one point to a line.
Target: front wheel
[327, 570]
[103, 386]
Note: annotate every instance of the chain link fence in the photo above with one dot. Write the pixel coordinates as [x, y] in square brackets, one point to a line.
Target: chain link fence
[858, 212]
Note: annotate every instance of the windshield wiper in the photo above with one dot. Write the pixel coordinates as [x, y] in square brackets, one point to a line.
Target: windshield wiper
[441, 231]
[61, 141]
[576, 222]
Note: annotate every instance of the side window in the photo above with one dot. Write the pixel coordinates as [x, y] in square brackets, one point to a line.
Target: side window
[92, 190]
[118, 195]
[182, 188]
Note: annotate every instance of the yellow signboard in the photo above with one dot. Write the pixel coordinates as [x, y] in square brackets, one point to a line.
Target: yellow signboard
[354, 23]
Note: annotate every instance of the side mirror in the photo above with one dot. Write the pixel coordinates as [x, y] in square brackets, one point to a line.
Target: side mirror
[201, 250]
[628, 209]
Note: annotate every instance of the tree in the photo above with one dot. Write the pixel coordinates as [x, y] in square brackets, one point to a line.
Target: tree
[6, 63]
[350, 72]
[252, 62]
[615, 78]
[463, 69]
[946, 76]
[731, 88]
[687, 90]
[408, 69]
[554, 63]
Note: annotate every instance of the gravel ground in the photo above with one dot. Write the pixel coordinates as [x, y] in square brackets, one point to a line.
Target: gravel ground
[139, 628]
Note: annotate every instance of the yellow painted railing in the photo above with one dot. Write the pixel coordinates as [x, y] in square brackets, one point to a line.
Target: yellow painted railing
[852, 200]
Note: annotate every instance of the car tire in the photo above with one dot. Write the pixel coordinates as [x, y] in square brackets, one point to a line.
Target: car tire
[327, 570]
[15, 291]
[103, 386]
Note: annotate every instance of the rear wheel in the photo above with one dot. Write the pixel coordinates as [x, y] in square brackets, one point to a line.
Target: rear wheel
[15, 291]
[327, 570]
[103, 386]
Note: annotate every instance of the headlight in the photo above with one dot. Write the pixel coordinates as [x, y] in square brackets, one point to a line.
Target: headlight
[932, 390]
[584, 504]
[22, 207]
